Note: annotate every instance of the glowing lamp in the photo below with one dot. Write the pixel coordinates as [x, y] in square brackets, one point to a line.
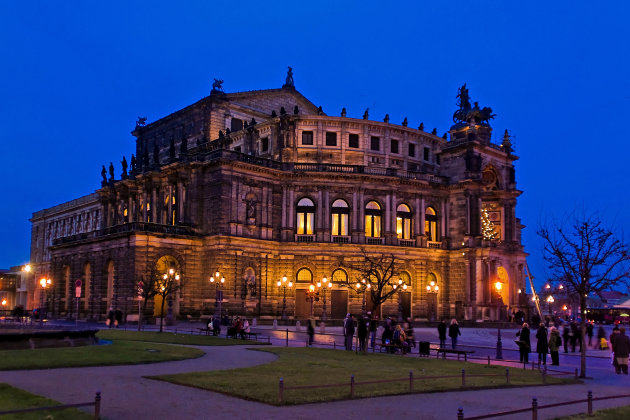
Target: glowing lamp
[290, 284]
[222, 280]
[498, 286]
[279, 283]
[428, 288]
[311, 288]
[27, 268]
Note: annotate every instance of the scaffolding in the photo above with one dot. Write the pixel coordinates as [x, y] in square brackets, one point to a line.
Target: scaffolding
[534, 294]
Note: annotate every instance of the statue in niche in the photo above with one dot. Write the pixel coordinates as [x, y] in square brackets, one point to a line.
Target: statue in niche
[104, 175]
[289, 80]
[250, 281]
[296, 110]
[217, 85]
[124, 167]
[250, 212]
[111, 171]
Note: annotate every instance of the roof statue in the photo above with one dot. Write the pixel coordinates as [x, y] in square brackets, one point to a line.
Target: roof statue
[124, 167]
[343, 112]
[289, 80]
[104, 175]
[217, 85]
[470, 114]
[366, 114]
[142, 121]
[111, 171]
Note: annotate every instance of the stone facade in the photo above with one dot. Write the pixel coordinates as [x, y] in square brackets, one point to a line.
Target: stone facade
[260, 185]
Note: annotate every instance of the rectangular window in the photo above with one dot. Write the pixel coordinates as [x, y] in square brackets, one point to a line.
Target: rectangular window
[237, 149]
[375, 143]
[394, 146]
[340, 224]
[412, 150]
[264, 144]
[305, 223]
[307, 138]
[331, 138]
[353, 141]
[426, 153]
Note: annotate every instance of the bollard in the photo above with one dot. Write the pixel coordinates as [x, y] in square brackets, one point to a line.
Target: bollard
[499, 346]
[488, 360]
[534, 409]
[463, 378]
[281, 390]
[460, 413]
[287, 342]
[97, 405]
[352, 386]
[507, 375]
[410, 381]
[590, 402]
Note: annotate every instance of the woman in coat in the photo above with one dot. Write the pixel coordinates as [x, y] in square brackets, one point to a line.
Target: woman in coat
[542, 345]
[554, 346]
[525, 345]
[453, 332]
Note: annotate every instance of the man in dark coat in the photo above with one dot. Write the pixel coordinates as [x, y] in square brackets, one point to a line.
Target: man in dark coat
[362, 333]
[566, 333]
[348, 331]
[442, 333]
[525, 345]
[589, 332]
[542, 345]
[621, 348]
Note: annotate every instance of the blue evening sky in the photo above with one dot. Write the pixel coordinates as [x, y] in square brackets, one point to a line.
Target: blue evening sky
[75, 75]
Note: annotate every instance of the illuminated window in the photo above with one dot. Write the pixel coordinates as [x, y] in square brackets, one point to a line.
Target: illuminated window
[340, 218]
[405, 277]
[339, 276]
[373, 220]
[431, 224]
[403, 222]
[305, 216]
[304, 275]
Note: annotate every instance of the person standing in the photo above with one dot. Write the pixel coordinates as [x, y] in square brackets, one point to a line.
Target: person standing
[216, 325]
[554, 346]
[542, 345]
[573, 332]
[310, 330]
[362, 332]
[601, 334]
[348, 331]
[453, 332]
[589, 332]
[373, 328]
[442, 333]
[613, 338]
[621, 349]
[525, 345]
[566, 333]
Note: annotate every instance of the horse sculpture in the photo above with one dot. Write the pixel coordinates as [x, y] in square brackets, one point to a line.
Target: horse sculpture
[217, 85]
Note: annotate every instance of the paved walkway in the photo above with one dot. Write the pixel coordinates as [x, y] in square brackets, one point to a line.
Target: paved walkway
[127, 395]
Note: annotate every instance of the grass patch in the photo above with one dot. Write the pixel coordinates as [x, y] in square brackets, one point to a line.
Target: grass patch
[607, 414]
[310, 366]
[171, 338]
[118, 353]
[14, 399]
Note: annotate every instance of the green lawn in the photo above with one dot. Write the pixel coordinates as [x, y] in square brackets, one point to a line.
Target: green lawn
[14, 399]
[118, 353]
[608, 414]
[309, 366]
[171, 338]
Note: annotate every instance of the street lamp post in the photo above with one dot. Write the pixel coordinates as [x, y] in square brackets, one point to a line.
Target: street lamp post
[284, 284]
[400, 288]
[326, 285]
[550, 300]
[432, 290]
[170, 277]
[312, 295]
[44, 283]
[218, 280]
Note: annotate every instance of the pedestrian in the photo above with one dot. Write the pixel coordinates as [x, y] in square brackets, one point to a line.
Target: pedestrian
[246, 329]
[589, 332]
[542, 344]
[525, 345]
[310, 330]
[362, 333]
[621, 349]
[111, 317]
[554, 345]
[453, 332]
[373, 328]
[387, 335]
[612, 339]
[601, 334]
[411, 342]
[573, 332]
[348, 331]
[442, 333]
[118, 315]
[566, 333]
[216, 325]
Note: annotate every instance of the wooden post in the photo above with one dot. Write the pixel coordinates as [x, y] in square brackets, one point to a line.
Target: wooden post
[488, 360]
[97, 405]
[590, 402]
[460, 413]
[410, 381]
[507, 375]
[281, 390]
[287, 342]
[352, 386]
[463, 378]
[534, 409]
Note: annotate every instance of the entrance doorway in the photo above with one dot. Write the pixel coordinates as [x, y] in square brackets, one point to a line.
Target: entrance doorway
[302, 306]
[338, 304]
[405, 298]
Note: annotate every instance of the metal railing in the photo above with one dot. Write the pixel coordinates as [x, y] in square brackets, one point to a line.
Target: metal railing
[96, 404]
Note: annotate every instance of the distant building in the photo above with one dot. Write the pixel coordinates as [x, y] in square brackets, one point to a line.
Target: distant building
[263, 184]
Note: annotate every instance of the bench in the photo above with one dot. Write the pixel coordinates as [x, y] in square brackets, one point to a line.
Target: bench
[394, 347]
[205, 330]
[451, 351]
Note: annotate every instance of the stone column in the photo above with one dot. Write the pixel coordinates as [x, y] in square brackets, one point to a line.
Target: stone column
[180, 202]
[154, 204]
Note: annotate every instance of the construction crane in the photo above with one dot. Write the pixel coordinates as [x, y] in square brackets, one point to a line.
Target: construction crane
[531, 284]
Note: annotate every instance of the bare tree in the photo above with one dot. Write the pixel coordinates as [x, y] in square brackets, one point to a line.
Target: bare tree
[376, 274]
[587, 258]
[166, 285]
[146, 291]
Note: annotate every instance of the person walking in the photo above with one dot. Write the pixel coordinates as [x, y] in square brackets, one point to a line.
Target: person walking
[589, 332]
[554, 345]
[453, 332]
[601, 334]
[621, 349]
[442, 333]
[348, 331]
[373, 328]
[566, 333]
[310, 330]
[216, 325]
[525, 345]
[362, 332]
[542, 344]
[613, 337]
[573, 335]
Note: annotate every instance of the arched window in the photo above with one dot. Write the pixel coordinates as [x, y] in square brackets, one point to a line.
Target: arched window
[304, 275]
[403, 222]
[305, 216]
[405, 277]
[339, 276]
[340, 218]
[373, 219]
[431, 225]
